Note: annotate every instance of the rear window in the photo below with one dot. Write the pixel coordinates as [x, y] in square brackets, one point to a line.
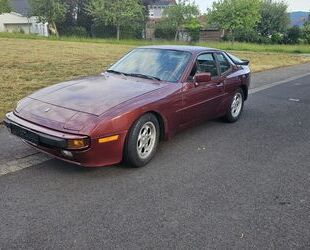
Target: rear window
[235, 59]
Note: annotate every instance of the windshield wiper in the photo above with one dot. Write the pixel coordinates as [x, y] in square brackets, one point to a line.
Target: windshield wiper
[144, 76]
[116, 72]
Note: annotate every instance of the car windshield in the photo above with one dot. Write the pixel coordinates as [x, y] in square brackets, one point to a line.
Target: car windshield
[160, 64]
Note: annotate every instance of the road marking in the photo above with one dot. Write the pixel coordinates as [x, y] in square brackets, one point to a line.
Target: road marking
[22, 163]
[270, 85]
[294, 100]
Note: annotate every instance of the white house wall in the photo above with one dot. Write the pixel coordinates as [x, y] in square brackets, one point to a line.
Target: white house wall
[10, 22]
[156, 11]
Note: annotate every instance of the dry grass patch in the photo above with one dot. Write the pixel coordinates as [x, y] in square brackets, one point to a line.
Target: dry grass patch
[28, 65]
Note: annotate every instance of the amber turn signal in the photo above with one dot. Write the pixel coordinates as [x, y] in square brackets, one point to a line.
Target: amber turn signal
[108, 139]
[75, 144]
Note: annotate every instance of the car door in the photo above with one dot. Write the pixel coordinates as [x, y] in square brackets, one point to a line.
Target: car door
[229, 76]
[201, 100]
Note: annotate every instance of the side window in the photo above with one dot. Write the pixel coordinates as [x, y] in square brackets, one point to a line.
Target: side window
[223, 62]
[206, 64]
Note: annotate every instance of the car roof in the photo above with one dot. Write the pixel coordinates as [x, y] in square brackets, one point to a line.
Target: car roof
[192, 49]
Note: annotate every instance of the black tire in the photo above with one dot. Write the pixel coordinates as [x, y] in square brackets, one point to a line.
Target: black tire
[132, 154]
[230, 116]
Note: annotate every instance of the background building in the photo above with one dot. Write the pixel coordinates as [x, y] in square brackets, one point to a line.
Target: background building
[156, 8]
[21, 21]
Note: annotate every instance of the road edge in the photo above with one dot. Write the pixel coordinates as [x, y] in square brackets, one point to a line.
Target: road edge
[270, 85]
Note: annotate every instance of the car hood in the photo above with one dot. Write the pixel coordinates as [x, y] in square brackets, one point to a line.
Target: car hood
[95, 95]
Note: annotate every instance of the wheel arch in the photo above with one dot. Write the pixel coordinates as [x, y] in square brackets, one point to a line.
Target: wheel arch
[160, 118]
[162, 123]
[245, 91]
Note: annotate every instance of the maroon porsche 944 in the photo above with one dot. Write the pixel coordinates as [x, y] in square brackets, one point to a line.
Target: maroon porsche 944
[122, 114]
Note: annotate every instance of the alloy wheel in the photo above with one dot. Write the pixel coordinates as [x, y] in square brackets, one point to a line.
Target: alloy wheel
[146, 140]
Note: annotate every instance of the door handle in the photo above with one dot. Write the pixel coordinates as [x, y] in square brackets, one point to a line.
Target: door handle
[219, 85]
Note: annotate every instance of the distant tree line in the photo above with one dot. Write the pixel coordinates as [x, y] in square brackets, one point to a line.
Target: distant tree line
[259, 21]
[114, 18]
[102, 18]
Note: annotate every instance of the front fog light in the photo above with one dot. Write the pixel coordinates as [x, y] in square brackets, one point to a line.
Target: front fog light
[66, 154]
[75, 144]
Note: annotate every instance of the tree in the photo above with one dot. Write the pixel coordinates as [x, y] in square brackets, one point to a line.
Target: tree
[193, 27]
[293, 35]
[76, 22]
[50, 11]
[308, 21]
[118, 13]
[274, 18]
[4, 6]
[306, 32]
[164, 30]
[234, 15]
[180, 14]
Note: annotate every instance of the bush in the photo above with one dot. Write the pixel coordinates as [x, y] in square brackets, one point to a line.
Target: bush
[22, 31]
[193, 28]
[248, 36]
[306, 33]
[244, 36]
[277, 38]
[108, 31]
[164, 30]
[75, 31]
[293, 35]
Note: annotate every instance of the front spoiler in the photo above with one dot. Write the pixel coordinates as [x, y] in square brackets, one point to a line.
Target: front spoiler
[97, 155]
[34, 137]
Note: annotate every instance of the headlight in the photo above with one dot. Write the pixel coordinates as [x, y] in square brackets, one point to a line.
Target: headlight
[77, 144]
[21, 104]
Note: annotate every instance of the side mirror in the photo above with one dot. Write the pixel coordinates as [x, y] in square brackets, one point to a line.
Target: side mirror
[202, 77]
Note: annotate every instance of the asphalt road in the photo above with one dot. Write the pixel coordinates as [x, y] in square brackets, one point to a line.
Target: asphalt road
[225, 186]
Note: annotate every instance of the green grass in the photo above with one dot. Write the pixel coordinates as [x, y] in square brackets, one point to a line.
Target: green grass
[276, 48]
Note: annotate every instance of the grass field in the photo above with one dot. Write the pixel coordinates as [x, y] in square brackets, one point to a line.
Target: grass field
[29, 64]
[277, 48]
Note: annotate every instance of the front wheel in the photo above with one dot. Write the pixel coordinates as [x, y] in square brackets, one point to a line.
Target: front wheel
[142, 141]
[236, 107]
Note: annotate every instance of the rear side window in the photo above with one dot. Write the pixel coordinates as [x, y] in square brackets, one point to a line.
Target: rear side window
[234, 58]
[223, 62]
[206, 64]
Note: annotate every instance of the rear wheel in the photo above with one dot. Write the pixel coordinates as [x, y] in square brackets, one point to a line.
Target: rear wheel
[142, 141]
[236, 106]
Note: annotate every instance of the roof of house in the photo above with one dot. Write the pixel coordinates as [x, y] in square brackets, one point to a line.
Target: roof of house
[21, 6]
[159, 2]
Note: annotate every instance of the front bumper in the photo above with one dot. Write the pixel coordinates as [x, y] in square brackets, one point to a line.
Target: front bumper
[54, 143]
[34, 137]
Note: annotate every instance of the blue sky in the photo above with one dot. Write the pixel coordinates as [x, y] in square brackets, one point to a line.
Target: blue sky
[294, 5]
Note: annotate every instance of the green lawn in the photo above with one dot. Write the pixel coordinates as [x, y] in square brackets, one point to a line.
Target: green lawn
[277, 48]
